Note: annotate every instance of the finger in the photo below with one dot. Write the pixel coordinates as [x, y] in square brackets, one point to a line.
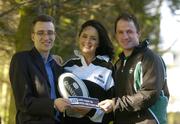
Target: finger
[102, 103]
[105, 105]
[66, 100]
[104, 108]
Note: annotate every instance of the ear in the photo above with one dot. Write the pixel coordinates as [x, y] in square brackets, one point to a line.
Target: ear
[115, 35]
[32, 37]
[77, 41]
[139, 34]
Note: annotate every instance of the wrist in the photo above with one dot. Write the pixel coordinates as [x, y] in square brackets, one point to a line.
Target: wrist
[91, 112]
[54, 105]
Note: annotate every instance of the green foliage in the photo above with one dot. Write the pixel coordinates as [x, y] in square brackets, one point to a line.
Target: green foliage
[16, 17]
[173, 118]
[174, 5]
[71, 14]
[18, 1]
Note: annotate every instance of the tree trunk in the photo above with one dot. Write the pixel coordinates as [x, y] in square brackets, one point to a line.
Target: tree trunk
[23, 42]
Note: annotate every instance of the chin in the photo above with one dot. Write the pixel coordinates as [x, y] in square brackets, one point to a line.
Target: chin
[86, 51]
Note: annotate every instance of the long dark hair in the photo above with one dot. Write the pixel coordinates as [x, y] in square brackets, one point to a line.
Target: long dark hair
[105, 45]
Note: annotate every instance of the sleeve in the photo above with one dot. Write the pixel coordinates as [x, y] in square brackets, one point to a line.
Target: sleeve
[25, 98]
[110, 84]
[165, 87]
[99, 115]
[152, 83]
[96, 115]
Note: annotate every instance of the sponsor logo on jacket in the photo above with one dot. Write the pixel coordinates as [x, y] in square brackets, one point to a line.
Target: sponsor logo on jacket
[99, 78]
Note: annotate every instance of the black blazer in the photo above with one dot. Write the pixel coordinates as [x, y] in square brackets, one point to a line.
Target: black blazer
[31, 88]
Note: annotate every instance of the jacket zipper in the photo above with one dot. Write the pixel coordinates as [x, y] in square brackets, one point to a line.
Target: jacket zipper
[124, 63]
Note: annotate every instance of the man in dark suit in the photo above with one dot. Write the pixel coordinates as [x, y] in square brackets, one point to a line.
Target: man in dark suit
[33, 76]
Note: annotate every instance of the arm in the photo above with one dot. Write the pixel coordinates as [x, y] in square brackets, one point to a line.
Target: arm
[152, 83]
[25, 97]
[30, 88]
[109, 87]
[152, 78]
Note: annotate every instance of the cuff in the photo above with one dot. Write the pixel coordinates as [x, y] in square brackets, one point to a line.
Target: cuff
[91, 112]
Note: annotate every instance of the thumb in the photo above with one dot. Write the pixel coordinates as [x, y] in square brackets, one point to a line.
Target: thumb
[102, 103]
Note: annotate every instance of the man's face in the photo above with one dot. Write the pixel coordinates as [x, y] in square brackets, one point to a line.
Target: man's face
[127, 35]
[43, 36]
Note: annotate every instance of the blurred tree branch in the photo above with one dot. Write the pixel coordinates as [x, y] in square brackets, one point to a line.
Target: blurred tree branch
[16, 6]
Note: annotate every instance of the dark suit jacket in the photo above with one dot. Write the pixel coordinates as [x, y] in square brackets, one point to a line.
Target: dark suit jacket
[31, 88]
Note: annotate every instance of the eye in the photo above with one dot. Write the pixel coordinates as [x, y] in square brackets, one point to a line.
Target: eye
[120, 32]
[40, 33]
[129, 31]
[93, 38]
[84, 36]
[43, 33]
[50, 33]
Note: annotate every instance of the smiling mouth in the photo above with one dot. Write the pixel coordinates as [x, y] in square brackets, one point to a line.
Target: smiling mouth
[126, 42]
[47, 43]
[87, 47]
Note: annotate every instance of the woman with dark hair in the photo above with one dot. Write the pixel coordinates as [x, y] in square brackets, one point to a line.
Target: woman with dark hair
[105, 46]
[93, 66]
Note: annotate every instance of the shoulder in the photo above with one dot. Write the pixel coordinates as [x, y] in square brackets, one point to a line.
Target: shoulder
[58, 59]
[19, 59]
[103, 61]
[103, 58]
[151, 59]
[20, 55]
[150, 55]
[72, 61]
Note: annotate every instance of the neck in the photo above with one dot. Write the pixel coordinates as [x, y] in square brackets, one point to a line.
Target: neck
[128, 52]
[45, 55]
[89, 58]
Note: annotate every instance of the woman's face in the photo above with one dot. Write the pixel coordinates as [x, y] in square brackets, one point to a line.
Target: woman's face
[88, 41]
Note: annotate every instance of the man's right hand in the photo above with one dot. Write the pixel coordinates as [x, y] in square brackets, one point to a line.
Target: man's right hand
[61, 104]
[107, 105]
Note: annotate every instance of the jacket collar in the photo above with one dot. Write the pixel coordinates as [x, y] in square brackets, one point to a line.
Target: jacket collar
[101, 57]
[141, 47]
[38, 60]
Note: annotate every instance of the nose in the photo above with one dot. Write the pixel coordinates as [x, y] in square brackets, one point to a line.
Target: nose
[87, 40]
[46, 35]
[125, 35]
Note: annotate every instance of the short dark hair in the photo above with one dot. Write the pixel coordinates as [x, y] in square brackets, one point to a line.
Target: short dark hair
[42, 18]
[105, 45]
[127, 17]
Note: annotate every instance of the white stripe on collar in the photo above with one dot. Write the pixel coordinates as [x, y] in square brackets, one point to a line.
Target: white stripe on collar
[78, 53]
[104, 57]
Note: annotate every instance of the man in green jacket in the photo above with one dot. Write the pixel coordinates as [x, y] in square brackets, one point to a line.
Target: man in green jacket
[140, 78]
